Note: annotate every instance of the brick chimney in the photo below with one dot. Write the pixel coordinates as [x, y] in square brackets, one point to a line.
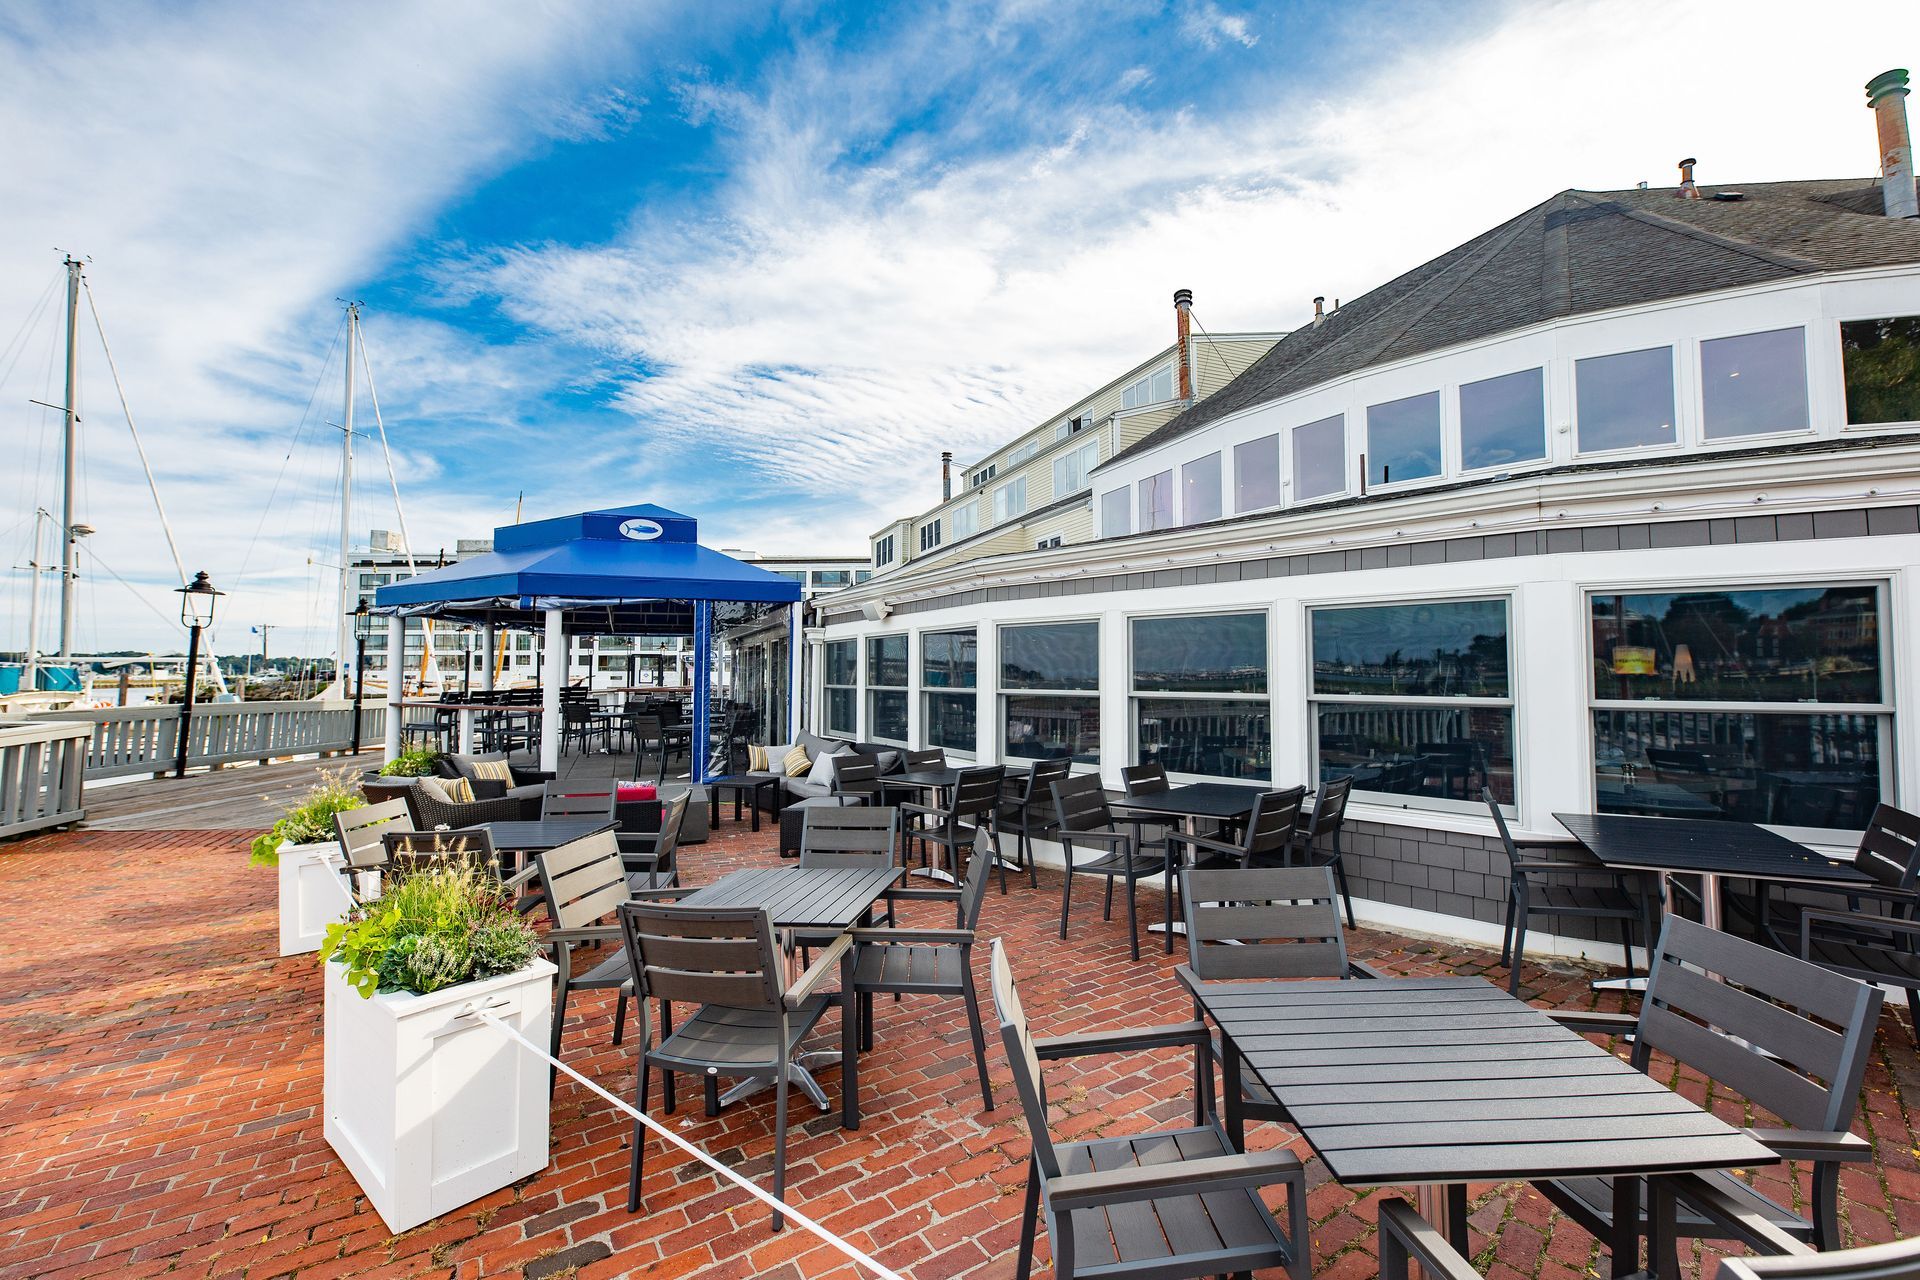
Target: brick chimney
[1183, 338]
[1687, 190]
[1887, 95]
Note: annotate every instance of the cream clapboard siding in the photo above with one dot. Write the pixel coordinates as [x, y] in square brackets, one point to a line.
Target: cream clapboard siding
[1217, 362]
[1136, 424]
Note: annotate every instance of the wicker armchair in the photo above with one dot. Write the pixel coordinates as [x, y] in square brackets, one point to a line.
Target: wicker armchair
[430, 811]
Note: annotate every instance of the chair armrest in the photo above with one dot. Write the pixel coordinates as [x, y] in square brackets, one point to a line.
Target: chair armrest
[1404, 1233]
[1587, 868]
[926, 810]
[1813, 1144]
[1361, 969]
[1108, 837]
[1733, 1216]
[819, 971]
[585, 933]
[1203, 842]
[1587, 1020]
[527, 777]
[1120, 1040]
[1185, 1177]
[885, 936]
[521, 877]
[1855, 920]
[667, 894]
[924, 895]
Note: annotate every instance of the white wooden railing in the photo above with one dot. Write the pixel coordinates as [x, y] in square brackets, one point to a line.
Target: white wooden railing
[134, 740]
[41, 767]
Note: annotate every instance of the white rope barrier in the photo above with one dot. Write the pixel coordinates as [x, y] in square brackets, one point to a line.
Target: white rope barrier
[749, 1186]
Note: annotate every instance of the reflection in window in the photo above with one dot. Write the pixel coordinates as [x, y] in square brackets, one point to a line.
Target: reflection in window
[1881, 360]
[1010, 499]
[1049, 728]
[1201, 481]
[1218, 737]
[842, 678]
[1775, 644]
[1503, 420]
[1113, 513]
[1445, 649]
[1222, 654]
[887, 715]
[1755, 383]
[1256, 474]
[1071, 470]
[1156, 502]
[1212, 653]
[966, 519]
[1625, 401]
[1057, 655]
[886, 688]
[1413, 700]
[1052, 671]
[949, 660]
[1793, 770]
[887, 661]
[1320, 458]
[1403, 439]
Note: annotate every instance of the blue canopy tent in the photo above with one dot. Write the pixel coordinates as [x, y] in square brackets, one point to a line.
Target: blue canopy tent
[627, 571]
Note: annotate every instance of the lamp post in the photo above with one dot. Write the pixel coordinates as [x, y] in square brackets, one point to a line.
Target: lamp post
[466, 660]
[196, 612]
[362, 626]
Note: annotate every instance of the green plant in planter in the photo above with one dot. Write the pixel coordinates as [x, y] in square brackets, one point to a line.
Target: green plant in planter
[415, 762]
[446, 922]
[311, 819]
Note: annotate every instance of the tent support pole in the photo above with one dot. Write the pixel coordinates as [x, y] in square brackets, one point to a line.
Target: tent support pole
[555, 675]
[702, 689]
[396, 681]
[486, 664]
[796, 665]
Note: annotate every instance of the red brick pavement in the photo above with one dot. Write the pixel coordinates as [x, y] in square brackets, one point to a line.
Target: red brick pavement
[161, 1075]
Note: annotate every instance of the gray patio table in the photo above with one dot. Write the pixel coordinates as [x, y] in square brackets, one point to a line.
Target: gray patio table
[817, 904]
[1191, 803]
[1425, 1081]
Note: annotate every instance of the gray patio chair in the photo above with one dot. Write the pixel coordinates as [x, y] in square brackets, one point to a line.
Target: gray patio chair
[412, 849]
[1026, 810]
[431, 807]
[749, 1022]
[578, 800]
[655, 855]
[970, 810]
[1264, 840]
[1808, 1074]
[1083, 818]
[359, 832]
[939, 962]
[1324, 825]
[1562, 879]
[1167, 1204]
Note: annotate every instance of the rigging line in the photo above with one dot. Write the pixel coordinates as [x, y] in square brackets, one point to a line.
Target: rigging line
[298, 430]
[166, 526]
[130, 587]
[406, 542]
[17, 344]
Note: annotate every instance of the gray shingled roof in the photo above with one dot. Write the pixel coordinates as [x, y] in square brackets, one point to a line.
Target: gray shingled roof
[1579, 252]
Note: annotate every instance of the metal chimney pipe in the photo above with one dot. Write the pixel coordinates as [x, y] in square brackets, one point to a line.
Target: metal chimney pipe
[1886, 94]
[1687, 190]
[946, 474]
[1319, 311]
[1182, 320]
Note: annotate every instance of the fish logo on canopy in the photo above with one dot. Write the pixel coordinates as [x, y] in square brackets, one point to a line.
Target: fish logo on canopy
[640, 529]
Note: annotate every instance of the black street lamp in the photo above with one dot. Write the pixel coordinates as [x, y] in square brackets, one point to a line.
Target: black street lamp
[196, 612]
[362, 627]
[466, 660]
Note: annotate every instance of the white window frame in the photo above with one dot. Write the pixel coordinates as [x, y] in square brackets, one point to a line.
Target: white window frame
[930, 535]
[1186, 517]
[1683, 431]
[1004, 691]
[965, 518]
[1136, 695]
[928, 693]
[826, 668]
[1458, 443]
[1840, 368]
[1173, 500]
[1003, 500]
[1091, 452]
[868, 688]
[1125, 494]
[1290, 462]
[1698, 354]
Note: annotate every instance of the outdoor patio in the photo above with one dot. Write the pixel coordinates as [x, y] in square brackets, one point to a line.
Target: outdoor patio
[163, 1071]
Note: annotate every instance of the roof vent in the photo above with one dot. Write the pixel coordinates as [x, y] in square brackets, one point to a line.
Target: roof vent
[1319, 311]
[1728, 197]
[1687, 190]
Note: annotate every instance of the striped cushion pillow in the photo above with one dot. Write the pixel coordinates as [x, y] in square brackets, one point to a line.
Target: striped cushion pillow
[492, 771]
[797, 762]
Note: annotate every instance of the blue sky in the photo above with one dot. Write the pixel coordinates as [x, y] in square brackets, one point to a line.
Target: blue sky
[759, 263]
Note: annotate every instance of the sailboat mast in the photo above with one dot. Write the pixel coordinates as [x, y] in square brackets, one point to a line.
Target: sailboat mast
[69, 547]
[344, 637]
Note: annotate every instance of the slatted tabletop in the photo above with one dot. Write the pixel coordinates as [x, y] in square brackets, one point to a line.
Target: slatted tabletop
[1198, 800]
[1450, 1080]
[1693, 846]
[541, 835]
[823, 899]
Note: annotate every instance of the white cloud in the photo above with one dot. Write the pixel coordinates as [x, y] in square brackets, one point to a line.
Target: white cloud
[1207, 25]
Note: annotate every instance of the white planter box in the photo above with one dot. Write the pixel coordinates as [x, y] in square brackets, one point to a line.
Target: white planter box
[310, 895]
[428, 1109]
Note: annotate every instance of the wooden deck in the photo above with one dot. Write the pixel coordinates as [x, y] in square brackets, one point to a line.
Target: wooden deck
[251, 797]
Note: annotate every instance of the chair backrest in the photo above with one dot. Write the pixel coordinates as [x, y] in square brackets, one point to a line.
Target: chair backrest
[1329, 807]
[574, 713]
[1809, 1074]
[644, 725]
[1890, 847]
[855, 774]
[722, 956]
[1516, 860]
[583, 880]
[849, 835]
[977, 793]
[1286, 921]
[359, 831]
[412, 848]
[973, 886]
[1144, 779]
[672, 819]
[1041, 777]
[1080, 803]
[1894, 1260]
[577, 801]
[932, 758]
[1275, 818]
[1027, 1080]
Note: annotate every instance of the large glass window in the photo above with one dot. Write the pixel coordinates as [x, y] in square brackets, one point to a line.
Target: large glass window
[1050, 707]
[1766, 704]
[1156, 502]
[1114, 509]
[966, 518]
[1226, 734]
[1881, 360]
[1200, 485]
[1256, 474]
[930, 536]
[1071, 471]
[1010, 500]
[1503, 420]
[1413, 701]
[1755, 383]
[1151, 389]
[887, 688]
[1320, 458]
[1403, 439]
[841, 682]
[1625, 401]
[950, 662]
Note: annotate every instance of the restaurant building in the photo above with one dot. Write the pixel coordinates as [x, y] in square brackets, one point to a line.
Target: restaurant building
[1615, 507]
